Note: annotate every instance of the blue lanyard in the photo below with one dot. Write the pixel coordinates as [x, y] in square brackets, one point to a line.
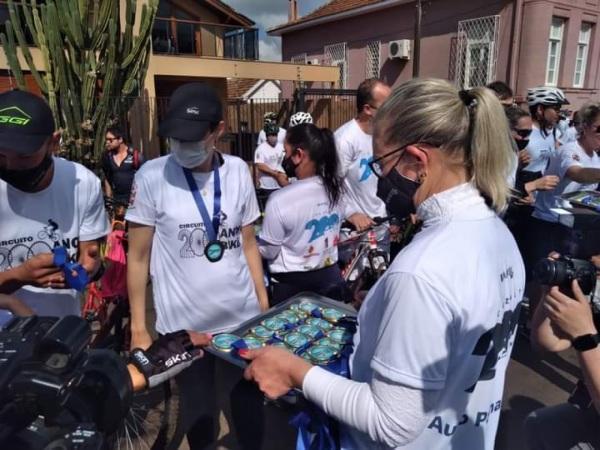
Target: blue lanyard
[212, 228]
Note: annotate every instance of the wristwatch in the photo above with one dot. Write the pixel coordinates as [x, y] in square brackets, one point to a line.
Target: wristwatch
[586, 342]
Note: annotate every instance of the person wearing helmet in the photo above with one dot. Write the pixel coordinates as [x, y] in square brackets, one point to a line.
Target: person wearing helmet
[545, 104]
[300, 117]
[270, 118]
[268, 159]
[577, 165]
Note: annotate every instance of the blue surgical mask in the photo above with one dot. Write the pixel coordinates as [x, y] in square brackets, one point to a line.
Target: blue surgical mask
[189, 154]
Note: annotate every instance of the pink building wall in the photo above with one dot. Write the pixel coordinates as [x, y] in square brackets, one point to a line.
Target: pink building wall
[440, 25]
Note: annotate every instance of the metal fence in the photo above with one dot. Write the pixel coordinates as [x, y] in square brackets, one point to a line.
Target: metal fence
[244, 119]
[476, 51]
[330, 108]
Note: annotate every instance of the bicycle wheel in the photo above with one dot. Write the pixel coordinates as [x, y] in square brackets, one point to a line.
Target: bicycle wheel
[151, 421]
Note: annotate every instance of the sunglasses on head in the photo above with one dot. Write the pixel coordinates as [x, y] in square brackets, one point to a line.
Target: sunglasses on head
[525, 133]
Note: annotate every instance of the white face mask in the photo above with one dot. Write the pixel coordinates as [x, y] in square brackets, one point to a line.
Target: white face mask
[189, 154]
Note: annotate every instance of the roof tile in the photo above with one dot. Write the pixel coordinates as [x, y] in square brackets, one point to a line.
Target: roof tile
[335, 7]
[237, 87]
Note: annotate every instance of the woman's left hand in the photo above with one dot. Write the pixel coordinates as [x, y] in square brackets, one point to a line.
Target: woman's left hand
[275, 370]
[572, 315]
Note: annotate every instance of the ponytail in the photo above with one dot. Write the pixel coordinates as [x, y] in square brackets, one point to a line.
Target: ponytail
[319, 143]
[328, 170]
[470, 126]
[489, 147]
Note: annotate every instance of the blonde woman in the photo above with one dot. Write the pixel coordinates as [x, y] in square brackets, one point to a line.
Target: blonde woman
[435, 334]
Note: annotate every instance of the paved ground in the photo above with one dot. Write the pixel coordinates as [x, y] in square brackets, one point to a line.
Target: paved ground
[533, 381]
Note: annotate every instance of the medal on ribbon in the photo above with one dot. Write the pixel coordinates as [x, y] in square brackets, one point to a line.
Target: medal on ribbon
[215, 249]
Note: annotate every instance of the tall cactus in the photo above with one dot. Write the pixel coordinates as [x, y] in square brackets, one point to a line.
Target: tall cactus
[93, 64]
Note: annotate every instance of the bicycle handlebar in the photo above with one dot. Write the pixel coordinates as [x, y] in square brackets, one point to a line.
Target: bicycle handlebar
[376, 222]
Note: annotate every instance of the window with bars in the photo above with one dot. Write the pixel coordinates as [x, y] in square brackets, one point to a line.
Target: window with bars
[476, 51]
[373, 59]
[583, 46]
[554, 50]
[337, 55]
[299, 59]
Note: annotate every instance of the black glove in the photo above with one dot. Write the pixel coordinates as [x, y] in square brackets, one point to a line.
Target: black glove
[166, 357]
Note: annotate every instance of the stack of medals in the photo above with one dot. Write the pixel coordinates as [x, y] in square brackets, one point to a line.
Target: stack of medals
[304, 328]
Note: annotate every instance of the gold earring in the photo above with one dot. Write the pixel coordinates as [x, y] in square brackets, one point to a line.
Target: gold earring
[422, 176]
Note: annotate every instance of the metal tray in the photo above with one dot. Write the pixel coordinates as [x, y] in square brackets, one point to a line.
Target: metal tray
[585, 199]
[318, 300]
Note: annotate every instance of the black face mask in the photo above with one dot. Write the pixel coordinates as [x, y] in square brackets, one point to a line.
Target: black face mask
[27, 180]
[397, 193]
[522, 144]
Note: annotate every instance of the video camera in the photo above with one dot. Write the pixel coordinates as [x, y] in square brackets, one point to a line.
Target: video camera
[562, 271]
[54, 391]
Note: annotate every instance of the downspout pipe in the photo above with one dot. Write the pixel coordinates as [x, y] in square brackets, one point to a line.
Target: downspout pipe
[517, 23]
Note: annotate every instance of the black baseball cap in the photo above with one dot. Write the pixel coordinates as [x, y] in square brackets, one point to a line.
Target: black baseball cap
[192, 108]
[26, 122]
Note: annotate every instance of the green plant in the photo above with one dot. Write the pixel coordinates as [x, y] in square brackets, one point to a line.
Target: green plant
[93, 64]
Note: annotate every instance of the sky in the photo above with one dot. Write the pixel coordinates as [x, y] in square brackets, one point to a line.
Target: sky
[267, 14]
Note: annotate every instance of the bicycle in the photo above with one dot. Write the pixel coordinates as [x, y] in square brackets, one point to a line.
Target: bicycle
[152, 419]
[363, 257]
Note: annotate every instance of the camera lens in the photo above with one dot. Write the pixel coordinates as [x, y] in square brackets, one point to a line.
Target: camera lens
[547, 272]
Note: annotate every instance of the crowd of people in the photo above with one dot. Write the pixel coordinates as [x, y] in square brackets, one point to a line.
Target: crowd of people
[481, 174]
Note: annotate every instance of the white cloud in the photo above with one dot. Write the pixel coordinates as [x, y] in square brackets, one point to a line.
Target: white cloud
[269, 49]
[269, 20]
[269, 14]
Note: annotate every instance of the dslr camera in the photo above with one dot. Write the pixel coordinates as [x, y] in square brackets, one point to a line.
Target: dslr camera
[55, 393]
[562, 271]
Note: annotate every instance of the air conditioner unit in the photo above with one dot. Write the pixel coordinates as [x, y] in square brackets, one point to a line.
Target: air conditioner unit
[313, 62]
[399, 49]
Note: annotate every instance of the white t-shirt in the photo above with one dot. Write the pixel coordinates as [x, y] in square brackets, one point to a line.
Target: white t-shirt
[570, 135]
[262, 137]
[511, 179]
[74, 202]
[273, 158]
[191, 293]
[569, 155]
[355, 152]
[299, 219]
[433, 322]
[541, 148]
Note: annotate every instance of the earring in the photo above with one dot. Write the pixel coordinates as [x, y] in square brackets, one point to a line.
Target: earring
[421, 177]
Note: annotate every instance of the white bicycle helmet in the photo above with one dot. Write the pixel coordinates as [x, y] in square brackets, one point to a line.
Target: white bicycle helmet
[300, 117]
[546, 96]
[270, 117]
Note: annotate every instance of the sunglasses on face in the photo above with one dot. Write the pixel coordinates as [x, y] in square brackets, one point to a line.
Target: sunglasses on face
[554, 107]
[524, 133]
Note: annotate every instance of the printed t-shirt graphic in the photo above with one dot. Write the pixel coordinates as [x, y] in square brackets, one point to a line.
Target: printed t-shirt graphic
[355, 152]
[68, 211]
[183, 279]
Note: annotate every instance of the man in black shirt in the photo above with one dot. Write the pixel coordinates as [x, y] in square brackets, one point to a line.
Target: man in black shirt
[120, 162]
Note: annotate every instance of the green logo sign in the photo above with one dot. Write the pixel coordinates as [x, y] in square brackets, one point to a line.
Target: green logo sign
[14, 115]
